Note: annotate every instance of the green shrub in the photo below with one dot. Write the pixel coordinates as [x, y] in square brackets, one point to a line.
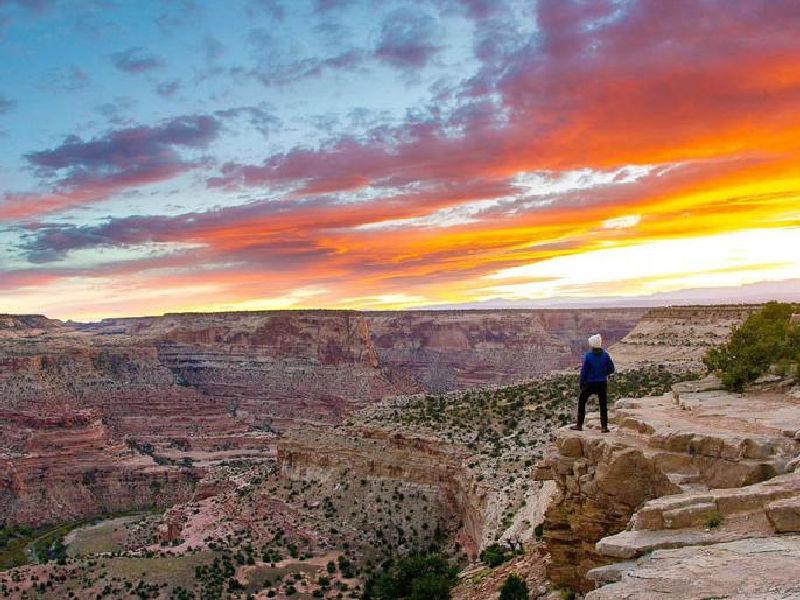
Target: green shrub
[765, 338]
[539, 532]
[514, 588]
[414, 577]
[714, 521]
[494, 555]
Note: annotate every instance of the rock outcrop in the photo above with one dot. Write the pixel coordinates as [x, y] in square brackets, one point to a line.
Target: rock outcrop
[745, 569]
[470, 503]
[697, 469]
[678, 336]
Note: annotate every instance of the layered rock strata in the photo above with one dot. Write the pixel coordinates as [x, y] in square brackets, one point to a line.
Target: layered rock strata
[94, 426]
[694, 468]
[187, 391]
[678, 336]
[353, 455]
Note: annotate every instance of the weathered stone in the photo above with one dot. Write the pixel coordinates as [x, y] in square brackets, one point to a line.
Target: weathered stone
[569, 446]
[784, 515]
[689, 516]
[670, 477]
[745, 569]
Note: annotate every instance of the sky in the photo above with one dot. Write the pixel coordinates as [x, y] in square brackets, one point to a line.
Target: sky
[381, 154]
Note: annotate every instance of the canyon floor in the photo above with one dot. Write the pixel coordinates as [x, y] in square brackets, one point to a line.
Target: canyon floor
[290, 456]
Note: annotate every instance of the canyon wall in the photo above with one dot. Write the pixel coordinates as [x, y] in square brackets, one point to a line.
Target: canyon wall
[678, 336]
[695, 469]
[124, 413]
[463, 349]
[164, 398]
[306, 365]
[362, 454]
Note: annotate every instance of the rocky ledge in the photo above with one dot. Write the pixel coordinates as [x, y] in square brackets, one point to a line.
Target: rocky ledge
[687, 487]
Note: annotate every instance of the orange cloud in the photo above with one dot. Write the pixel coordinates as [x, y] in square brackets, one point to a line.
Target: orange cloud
[700, 101]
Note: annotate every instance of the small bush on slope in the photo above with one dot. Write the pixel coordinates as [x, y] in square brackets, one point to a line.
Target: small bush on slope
[495, 555]
[514, 588]
[765, 338]
[413, 577]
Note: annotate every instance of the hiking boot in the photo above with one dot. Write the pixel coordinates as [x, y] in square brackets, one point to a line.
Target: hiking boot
[604, 430]
[576, 428]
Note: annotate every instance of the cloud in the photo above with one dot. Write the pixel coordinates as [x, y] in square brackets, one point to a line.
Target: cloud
[213, 48]
[601, 85]
[259, 117]
[136, 60]
[167, 89]
[83, 172]
[587, 126]
[275, 66]
[117, 110]
[625, 222]
[407, 39]
[67, 79]
[128, 148]
[6, 105]
[259, 227]
[276, 73]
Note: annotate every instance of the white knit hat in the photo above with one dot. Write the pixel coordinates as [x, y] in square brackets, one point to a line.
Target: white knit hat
[596, 341]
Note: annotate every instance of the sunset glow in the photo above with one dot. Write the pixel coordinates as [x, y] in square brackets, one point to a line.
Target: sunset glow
[343, 154]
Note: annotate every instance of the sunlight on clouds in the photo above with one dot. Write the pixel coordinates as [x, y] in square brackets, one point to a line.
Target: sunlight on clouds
[385, 301]
[293, 299]
[625, 222]
[545, 183]
[444, 217]
[717, 260]
[95, 298]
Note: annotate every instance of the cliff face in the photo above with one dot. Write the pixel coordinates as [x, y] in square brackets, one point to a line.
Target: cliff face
[457, 350]
[289, 365]
[93, 409]
[698, 468]
[91, 426]
[678, 336]
[464, 504]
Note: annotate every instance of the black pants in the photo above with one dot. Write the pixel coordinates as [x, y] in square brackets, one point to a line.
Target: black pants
[599, 388]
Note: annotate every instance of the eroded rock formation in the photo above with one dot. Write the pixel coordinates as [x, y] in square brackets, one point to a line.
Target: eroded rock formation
[129, 412]
[695, 469]
[678, 336]
[427, 463]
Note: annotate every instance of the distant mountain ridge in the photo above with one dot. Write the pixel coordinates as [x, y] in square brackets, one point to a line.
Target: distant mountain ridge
[755, 293]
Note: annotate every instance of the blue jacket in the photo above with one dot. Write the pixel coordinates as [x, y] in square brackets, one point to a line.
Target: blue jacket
[597, 366]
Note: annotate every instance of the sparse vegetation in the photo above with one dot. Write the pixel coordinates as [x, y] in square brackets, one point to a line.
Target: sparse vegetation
[766, 338]
[414, 577]
[495, 555]
[507, 429]
[714, 521]
[364, 522]
[567, 594]
[514, 588]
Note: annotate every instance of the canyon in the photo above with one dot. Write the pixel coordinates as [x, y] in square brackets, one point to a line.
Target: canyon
[284, 443]
[128, 413]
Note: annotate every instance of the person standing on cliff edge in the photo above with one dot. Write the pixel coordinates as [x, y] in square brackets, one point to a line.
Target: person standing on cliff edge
[597, 366]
